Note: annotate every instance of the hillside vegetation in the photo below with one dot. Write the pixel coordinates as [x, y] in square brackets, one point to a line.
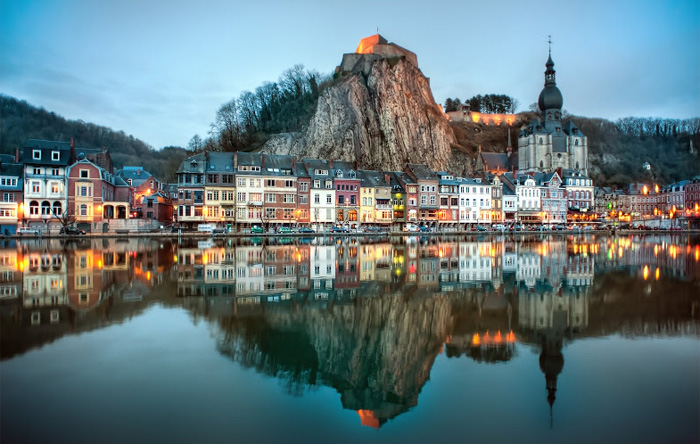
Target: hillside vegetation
[20, 121]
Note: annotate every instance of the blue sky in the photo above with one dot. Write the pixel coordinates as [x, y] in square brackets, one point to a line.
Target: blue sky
[160, 70]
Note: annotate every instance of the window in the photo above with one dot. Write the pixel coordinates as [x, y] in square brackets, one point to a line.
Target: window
[55, 171]
[36, 171]
[36, 187]
[83, 210]
[84, 173]
[288, 198]
[241, 182]
[317, 198]
[8, 197]
[288, 183]
[54, 187]
[36, 154]
[270, 183]
[329, 199]
[271, 198]
[329, 185]
[317, 184]
[303, 186]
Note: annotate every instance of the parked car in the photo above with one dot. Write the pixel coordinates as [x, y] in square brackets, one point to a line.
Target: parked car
[285, 230]
[72, 231]
[517, 228]
[424, 229]
[371, 229]
[480, 228]
[306, 230]
[499, 227]
[411, 228]
[257, 229]
[27, 231]
[337, 229]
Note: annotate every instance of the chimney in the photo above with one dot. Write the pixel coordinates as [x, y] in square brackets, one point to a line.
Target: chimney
[558, 170]
[514, 175]
[387, 179]
[262, 161]
[330, 164]
[206, 156]
[17, 155]
[235, 161]
[294, 162]
[72, 151]
[354, 164]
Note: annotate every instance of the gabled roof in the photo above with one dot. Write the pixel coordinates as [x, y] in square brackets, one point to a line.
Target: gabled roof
[373, 178]
[135, 173]
[317, 164]
[46, 147]
[193, 164]
[220, 162]
[277, 164]
[421, 171]
[346, 168]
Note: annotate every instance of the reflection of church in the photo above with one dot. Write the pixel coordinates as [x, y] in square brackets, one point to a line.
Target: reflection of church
[547, 317]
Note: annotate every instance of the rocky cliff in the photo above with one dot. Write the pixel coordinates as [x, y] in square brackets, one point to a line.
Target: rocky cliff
[383, 117]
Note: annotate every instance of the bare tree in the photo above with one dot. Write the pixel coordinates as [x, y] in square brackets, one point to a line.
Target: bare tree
[227, 126]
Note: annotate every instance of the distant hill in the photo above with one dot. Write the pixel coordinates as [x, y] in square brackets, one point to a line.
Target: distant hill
[20, 121]
[617, 150]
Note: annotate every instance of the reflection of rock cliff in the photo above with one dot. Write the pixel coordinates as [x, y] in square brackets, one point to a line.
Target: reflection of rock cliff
[376, 352]
[381, 113]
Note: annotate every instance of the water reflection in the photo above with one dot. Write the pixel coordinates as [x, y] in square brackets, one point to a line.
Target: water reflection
[367, 318]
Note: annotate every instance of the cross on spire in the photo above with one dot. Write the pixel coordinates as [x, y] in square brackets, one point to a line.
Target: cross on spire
[549, 40]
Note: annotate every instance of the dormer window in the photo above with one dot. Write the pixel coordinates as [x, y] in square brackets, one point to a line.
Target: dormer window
[36, 154]
[55, 155]
[84, 173]
[338, 173]
[352, 174]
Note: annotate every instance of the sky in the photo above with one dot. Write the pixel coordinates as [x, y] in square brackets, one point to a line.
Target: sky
[160, 70]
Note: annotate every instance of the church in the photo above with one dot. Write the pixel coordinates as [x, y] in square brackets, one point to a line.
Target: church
[546, 143]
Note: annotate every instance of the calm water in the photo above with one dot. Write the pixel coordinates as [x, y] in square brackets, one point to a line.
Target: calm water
[414, 340]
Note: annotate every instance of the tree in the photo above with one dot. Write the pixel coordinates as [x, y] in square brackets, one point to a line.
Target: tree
[195, 144]
[227, 127]
[452, 104]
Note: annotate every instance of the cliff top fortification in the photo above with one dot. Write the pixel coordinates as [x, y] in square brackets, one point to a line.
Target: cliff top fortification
[371, 49]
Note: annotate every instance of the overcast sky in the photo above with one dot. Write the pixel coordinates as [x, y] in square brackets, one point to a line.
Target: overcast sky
[159, 70]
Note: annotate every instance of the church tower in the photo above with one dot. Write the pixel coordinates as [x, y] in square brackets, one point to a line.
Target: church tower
[547, 143]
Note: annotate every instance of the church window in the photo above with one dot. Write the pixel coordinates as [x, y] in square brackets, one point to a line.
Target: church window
[576, 142]
[549, 116]
[576, 165]
[541, 164]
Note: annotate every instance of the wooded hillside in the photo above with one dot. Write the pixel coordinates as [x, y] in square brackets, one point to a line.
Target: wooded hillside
[20, 121]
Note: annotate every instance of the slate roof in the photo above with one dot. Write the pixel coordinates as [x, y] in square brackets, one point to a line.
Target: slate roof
[46, 147]
[220, 162]
[421, 171]
[193, 164]
[136, 173]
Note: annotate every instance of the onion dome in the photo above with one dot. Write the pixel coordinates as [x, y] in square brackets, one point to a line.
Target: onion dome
[550, 97]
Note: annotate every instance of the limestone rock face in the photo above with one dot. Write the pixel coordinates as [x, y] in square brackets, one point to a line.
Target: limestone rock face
[383, 120]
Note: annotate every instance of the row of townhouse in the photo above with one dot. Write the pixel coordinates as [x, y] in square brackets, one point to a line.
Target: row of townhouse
[46, 185]
[644, 200]
[242, 190]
